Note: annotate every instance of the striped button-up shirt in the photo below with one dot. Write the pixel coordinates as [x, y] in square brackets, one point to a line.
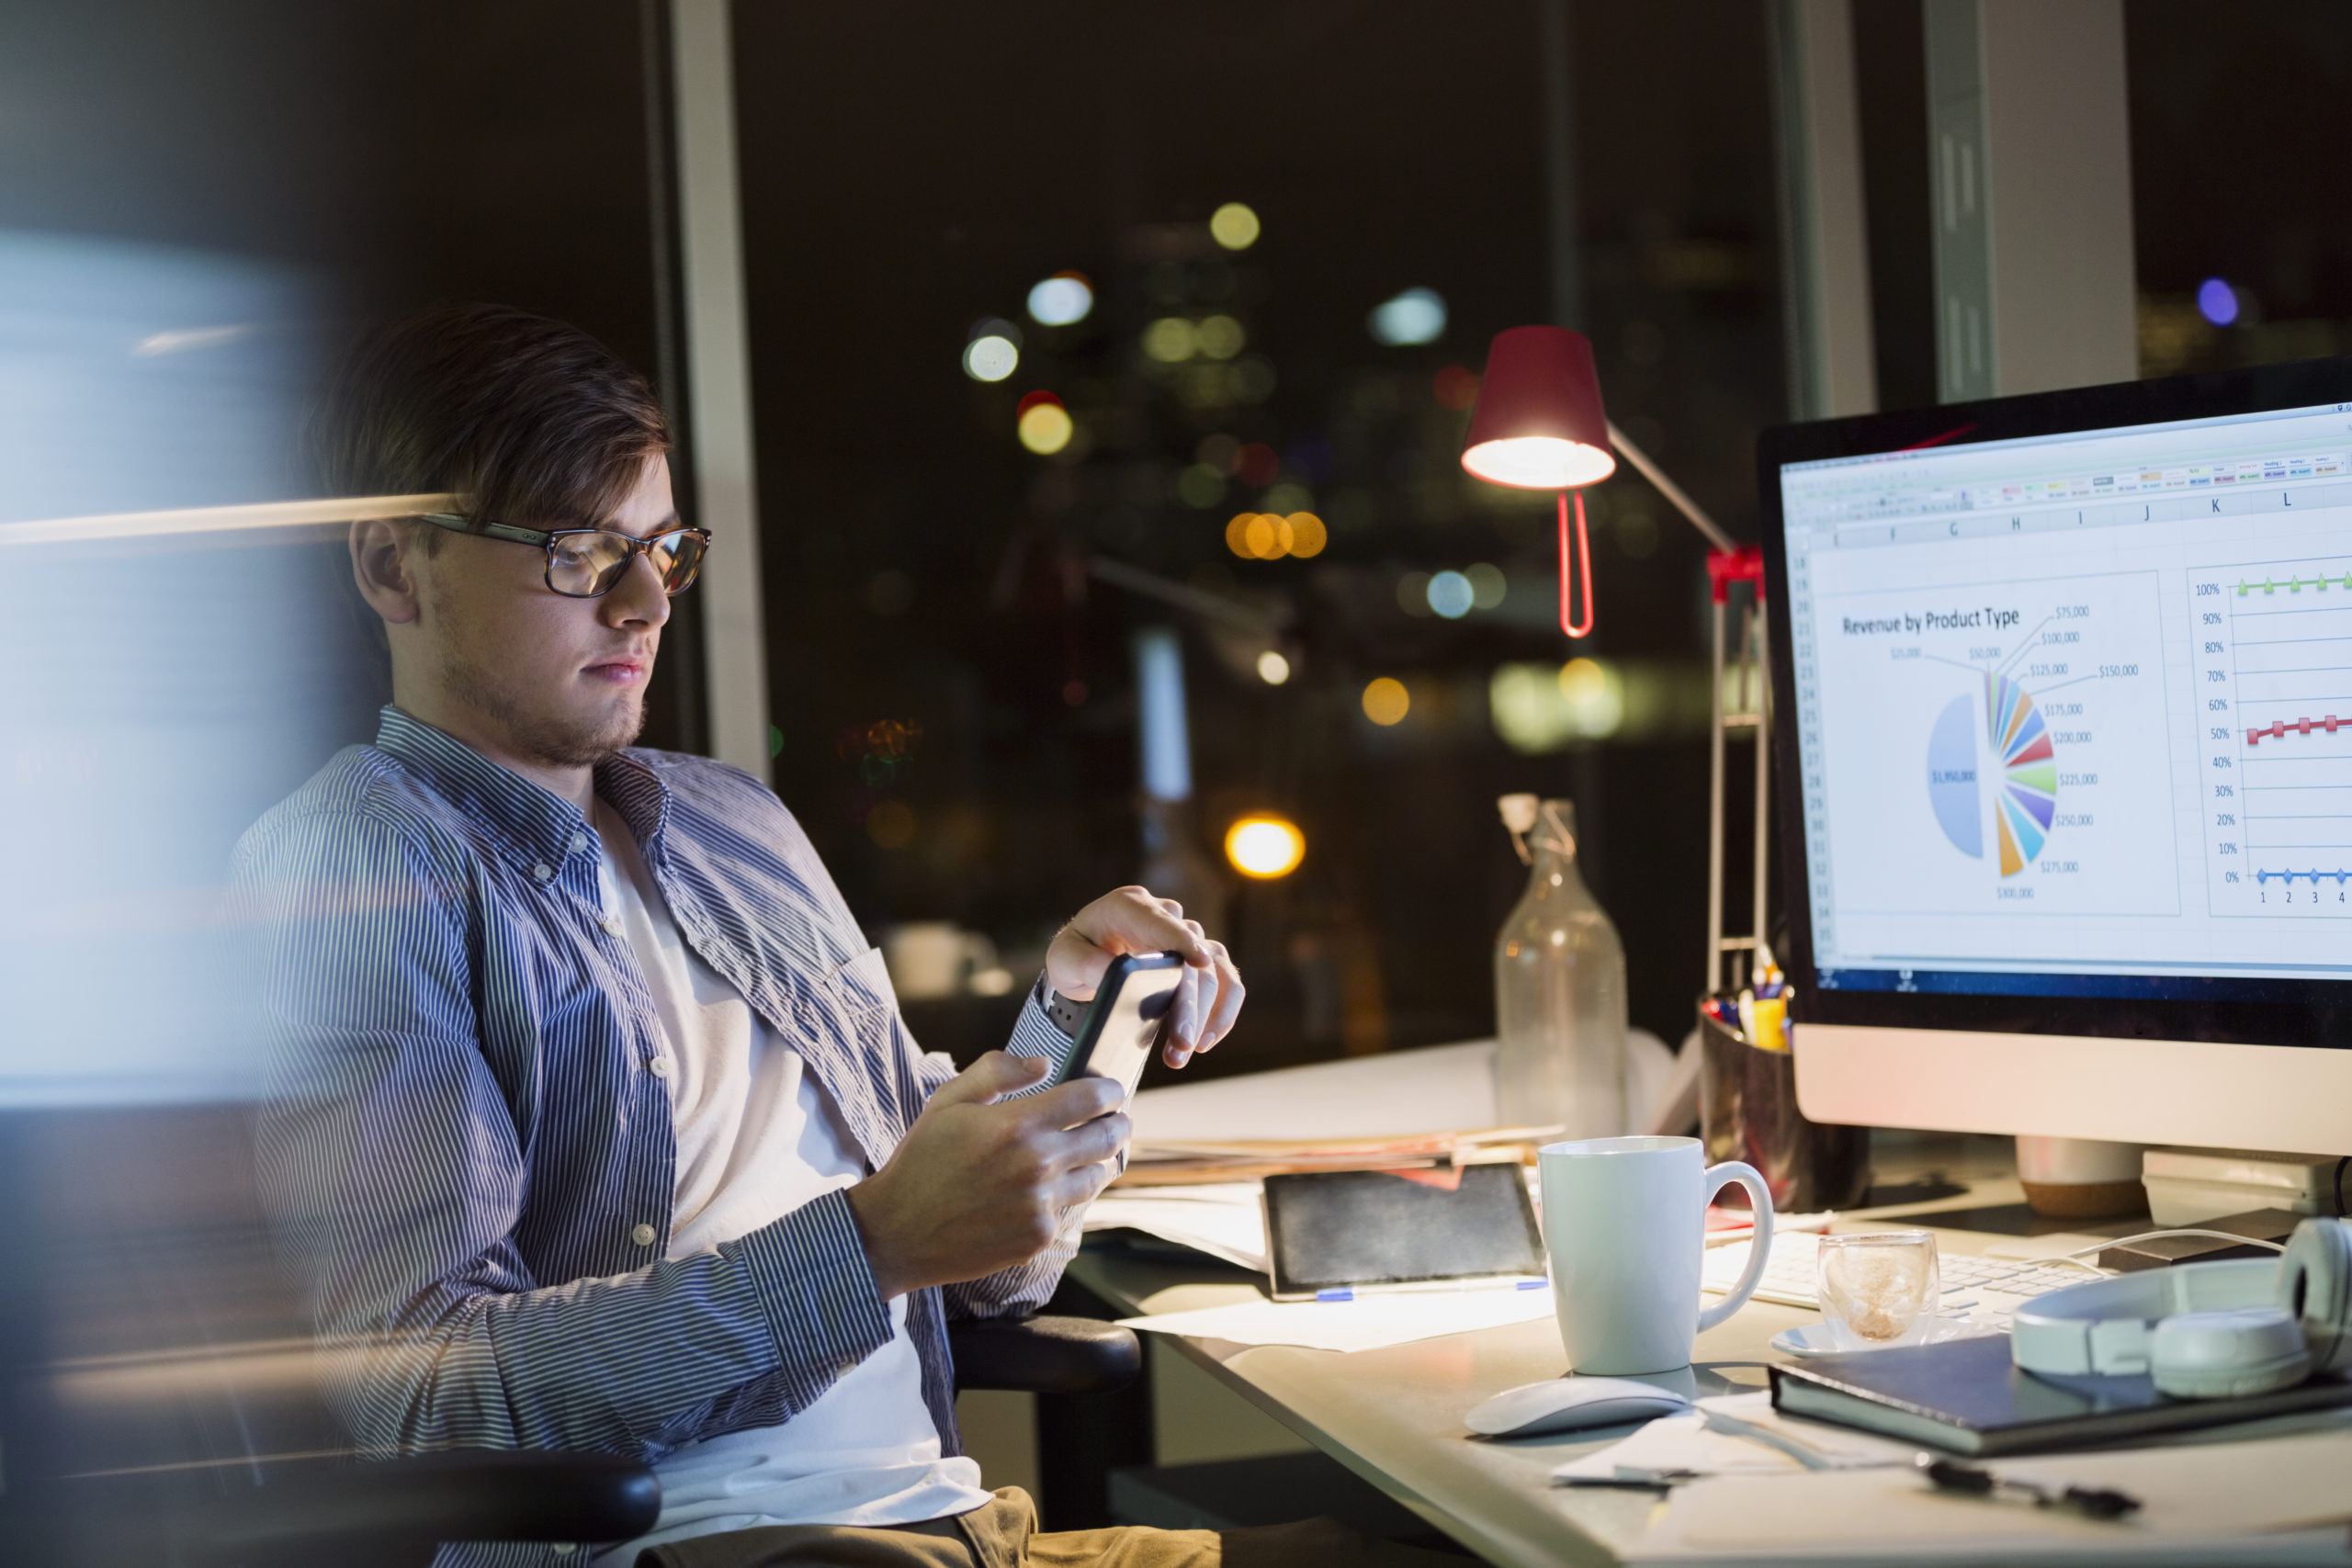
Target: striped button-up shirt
[466, 1154]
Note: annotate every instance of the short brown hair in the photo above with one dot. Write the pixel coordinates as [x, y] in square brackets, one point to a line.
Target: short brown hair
[529, 419]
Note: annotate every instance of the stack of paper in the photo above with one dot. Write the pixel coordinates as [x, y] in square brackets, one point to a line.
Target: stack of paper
[1226, 1220]
[1241, 1159]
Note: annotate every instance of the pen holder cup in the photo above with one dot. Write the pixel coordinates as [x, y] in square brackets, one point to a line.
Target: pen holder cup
[1747, 1110]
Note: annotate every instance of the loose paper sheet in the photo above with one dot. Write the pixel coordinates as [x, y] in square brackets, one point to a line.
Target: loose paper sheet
[1747, 1437]
[2193, 1497]
[1368, 1322]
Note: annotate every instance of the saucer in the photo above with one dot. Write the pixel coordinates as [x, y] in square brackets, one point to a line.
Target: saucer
[1822, 1339]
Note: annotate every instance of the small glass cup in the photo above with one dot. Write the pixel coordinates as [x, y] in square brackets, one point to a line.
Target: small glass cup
[1877, 1288]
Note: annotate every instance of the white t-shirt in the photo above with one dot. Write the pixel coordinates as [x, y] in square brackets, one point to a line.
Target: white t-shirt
[757, 1138]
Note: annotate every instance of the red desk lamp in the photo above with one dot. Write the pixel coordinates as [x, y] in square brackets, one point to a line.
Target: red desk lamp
[1539, 425]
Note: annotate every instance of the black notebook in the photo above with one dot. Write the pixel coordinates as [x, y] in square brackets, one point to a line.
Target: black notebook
[1965, 1396]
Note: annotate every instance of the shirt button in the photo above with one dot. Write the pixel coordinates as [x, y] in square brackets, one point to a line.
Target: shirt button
[543, 870]
[612, 924]
[578, 842]
[659, 1066]
[642, 1235]
[565, 1549]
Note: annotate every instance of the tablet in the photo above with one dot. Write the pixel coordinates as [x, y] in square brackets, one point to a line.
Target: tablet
[1126, 1021]
[1353, 1229]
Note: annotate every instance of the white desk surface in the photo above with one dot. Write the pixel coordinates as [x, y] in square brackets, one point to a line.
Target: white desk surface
[1393, 1416]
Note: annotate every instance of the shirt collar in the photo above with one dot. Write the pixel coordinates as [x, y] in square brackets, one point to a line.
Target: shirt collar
[540, 826]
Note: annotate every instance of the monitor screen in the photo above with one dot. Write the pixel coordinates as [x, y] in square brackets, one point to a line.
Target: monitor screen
[2072, 705]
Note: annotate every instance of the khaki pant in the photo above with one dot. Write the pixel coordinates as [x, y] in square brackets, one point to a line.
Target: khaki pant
[1003, 1534]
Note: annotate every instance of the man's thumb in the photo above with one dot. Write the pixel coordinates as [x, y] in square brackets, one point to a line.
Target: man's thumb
[998, 1073]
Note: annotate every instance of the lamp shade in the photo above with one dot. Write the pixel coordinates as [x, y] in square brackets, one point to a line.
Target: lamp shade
[1539, 424]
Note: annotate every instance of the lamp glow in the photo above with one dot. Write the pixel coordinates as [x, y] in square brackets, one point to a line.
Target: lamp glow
[1539, 462]
[1265, 847]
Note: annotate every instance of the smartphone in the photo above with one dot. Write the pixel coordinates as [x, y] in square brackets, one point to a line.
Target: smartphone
[1123, 1025]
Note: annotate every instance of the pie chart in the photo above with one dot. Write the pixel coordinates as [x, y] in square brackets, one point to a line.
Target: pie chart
[2029, 788]
[2025, 794]
[1951, 777]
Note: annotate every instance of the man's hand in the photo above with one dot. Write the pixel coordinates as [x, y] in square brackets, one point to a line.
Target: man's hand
[978, 1184]
[1131, 921]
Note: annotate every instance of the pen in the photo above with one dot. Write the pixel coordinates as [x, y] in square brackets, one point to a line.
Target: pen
[1632, 1478]
[2092, 1501]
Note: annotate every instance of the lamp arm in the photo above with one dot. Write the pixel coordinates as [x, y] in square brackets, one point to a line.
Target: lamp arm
[1669, 489]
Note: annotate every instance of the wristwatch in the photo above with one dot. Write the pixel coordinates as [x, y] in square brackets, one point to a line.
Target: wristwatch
[1066, 1014]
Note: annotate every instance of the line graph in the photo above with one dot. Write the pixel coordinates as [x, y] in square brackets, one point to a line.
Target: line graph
[2292, 584]
[2282, 727]
[2273, 646]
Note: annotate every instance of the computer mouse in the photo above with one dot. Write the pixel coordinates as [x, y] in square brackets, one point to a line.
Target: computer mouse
[1564, 1405]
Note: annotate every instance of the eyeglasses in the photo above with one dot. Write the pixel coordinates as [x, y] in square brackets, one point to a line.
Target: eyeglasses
[585, 563]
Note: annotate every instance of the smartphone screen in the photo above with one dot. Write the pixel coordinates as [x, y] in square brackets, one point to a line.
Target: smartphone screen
[1123, 1025]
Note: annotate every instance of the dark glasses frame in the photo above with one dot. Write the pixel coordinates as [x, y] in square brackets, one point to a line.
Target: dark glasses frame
[545, 539]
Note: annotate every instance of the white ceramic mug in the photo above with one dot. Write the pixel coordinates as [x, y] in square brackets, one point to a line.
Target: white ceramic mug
[1625, 1224]
[929, 959]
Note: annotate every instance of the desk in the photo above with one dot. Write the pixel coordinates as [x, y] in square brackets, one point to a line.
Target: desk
[1393, 1416]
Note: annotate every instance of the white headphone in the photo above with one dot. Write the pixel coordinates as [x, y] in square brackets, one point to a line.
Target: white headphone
[2204, 1330]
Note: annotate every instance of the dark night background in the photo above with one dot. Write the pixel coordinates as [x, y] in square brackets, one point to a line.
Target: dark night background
[910, 169]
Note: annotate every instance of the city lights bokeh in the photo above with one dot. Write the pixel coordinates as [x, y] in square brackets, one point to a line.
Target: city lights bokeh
[2217, 302]
[1449, 595]
[1064, 299]
[1234, 226]
[1044, 425]
[1270, 535]
[1385, 701]
[1170, 339]
[1416, 316]
[1265, 846]
[1487, 584]
[992, 354]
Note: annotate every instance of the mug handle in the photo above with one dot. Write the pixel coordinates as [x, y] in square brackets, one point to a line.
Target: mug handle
[1760, 1197]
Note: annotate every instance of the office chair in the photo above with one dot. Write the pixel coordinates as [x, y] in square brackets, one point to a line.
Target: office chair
[277, 1513]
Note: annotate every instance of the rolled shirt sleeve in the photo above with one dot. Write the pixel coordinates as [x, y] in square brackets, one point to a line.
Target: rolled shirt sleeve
[392, 1163]
[1025, 1287]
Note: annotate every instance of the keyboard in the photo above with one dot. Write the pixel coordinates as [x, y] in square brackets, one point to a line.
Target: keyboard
[1986, 1288]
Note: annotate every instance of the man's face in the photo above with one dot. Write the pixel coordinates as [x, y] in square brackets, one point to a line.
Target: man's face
[546, 679]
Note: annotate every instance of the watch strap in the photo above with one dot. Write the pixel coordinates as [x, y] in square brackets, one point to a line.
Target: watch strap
[1066, 1014]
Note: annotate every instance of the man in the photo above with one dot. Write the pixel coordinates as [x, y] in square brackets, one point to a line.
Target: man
[595, 1126]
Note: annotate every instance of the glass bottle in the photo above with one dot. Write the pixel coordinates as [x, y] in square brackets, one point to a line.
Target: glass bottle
[1559, 988]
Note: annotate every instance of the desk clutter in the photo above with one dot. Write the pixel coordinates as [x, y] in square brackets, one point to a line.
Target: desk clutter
[2245, 1456]
[1919, 1352]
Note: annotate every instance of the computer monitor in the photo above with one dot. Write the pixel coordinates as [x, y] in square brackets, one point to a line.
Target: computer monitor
[2065, 683]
